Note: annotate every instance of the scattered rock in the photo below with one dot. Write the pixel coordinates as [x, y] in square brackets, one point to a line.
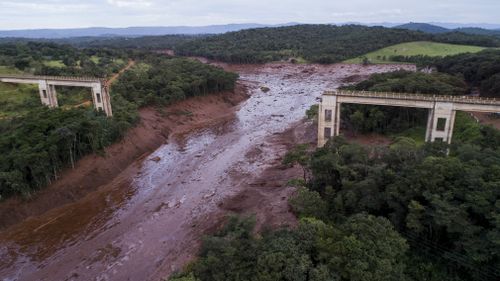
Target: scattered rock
[156, 159]
[265, 89]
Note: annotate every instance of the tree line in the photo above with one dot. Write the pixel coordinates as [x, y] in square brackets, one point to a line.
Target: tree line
[401, 212]
[35, 57]
[480, 70]
[384, 119]
[315, 43]
[36, 146]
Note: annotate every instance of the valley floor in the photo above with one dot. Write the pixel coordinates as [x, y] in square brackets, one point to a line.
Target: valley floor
[139, 216]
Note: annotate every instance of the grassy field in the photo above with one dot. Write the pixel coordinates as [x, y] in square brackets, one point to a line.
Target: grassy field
[54, 63]
[415, 48]
[8, 70]
[15, 99]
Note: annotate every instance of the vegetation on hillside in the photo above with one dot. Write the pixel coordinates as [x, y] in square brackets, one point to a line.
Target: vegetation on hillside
[383, 119]
[36, 146]
[395, 213]
[481, 70]
[54, 59]
[392, 54]
[315, 43]
[156, 81]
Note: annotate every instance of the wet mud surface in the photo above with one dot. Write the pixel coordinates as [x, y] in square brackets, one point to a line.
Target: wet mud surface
[148, 221]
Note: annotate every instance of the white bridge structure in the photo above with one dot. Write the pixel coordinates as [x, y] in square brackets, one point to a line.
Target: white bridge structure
[47, 88]
[442, 110]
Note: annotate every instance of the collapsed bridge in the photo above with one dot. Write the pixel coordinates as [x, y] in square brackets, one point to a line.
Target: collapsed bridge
[48, 94]
[442, 110]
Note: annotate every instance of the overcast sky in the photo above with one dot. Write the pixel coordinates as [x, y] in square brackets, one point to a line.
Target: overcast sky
[19, 14]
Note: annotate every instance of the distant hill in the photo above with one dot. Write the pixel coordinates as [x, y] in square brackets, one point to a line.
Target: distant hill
[421, 48]
[314, 43]
[424, 27]
[480, 31]
[436, 29]
[129, 31]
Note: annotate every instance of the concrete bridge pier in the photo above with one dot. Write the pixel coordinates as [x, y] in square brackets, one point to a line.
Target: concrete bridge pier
[48, 94]
[329, 118]
[101, 98]
[440, 122]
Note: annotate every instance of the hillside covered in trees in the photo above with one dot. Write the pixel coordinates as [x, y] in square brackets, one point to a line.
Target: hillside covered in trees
[368, 214]
[383, 119]
[55, 59]
[315, 43]
[480, 70]
[37, 145]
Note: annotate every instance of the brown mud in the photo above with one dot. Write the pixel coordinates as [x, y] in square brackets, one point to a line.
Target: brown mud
[487, 119]
[155, 128]
[144, 220]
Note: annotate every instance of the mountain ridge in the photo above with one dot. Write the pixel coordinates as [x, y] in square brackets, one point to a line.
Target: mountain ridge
[139, 31]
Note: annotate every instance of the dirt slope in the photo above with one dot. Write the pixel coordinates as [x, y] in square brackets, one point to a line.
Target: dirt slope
[155, 129]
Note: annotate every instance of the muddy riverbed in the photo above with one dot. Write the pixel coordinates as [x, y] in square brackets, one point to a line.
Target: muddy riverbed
[148, 221]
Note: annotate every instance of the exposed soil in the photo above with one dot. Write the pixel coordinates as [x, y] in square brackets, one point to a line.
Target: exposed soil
[145, 220]
[157, 125]
[488, 119]
[117, 75]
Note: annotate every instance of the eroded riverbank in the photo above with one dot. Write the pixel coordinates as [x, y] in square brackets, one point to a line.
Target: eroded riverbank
[148, 221]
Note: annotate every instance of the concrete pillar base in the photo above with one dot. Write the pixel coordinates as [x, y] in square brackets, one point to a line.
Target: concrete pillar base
[328, 119]
[440, 122]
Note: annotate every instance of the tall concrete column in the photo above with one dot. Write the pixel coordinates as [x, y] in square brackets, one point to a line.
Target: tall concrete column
[44, 89]
[441, 122]
[107, 101]
[101, 98]
[48, 94]
[336, 123]
[53, 96]
[328, 119]
[430, 123]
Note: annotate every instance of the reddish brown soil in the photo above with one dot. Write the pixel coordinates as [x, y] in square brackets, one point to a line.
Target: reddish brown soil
[156, 127]
[148, 221]
[117, 75]
[488, 119]
[266, 197]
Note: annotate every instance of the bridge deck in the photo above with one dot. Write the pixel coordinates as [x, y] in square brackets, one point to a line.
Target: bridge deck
[53, 78]
[416, 97]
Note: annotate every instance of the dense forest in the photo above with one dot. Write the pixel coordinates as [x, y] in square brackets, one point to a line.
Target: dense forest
[54, 59]
[383, 119]
[315, 43]
[155, 81]
[480, 70]
[36, 146]
[402, 212]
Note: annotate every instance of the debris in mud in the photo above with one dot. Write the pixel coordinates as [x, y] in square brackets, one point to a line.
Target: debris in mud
[211, 194]
[156, 159]
[277, 115]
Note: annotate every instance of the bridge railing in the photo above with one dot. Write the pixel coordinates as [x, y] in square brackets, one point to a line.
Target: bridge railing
[58, 78]
[417, 97]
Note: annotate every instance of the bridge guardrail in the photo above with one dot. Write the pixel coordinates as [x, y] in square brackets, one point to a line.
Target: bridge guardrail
[418, 97]
[60, 78]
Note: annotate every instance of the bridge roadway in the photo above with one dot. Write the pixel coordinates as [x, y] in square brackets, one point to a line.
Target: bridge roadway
[442, 110]
[48, 94]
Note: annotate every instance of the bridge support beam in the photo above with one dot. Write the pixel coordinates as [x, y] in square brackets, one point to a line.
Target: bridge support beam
[48, 94]
[328, 119]
[440, 122]
[101, 99]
